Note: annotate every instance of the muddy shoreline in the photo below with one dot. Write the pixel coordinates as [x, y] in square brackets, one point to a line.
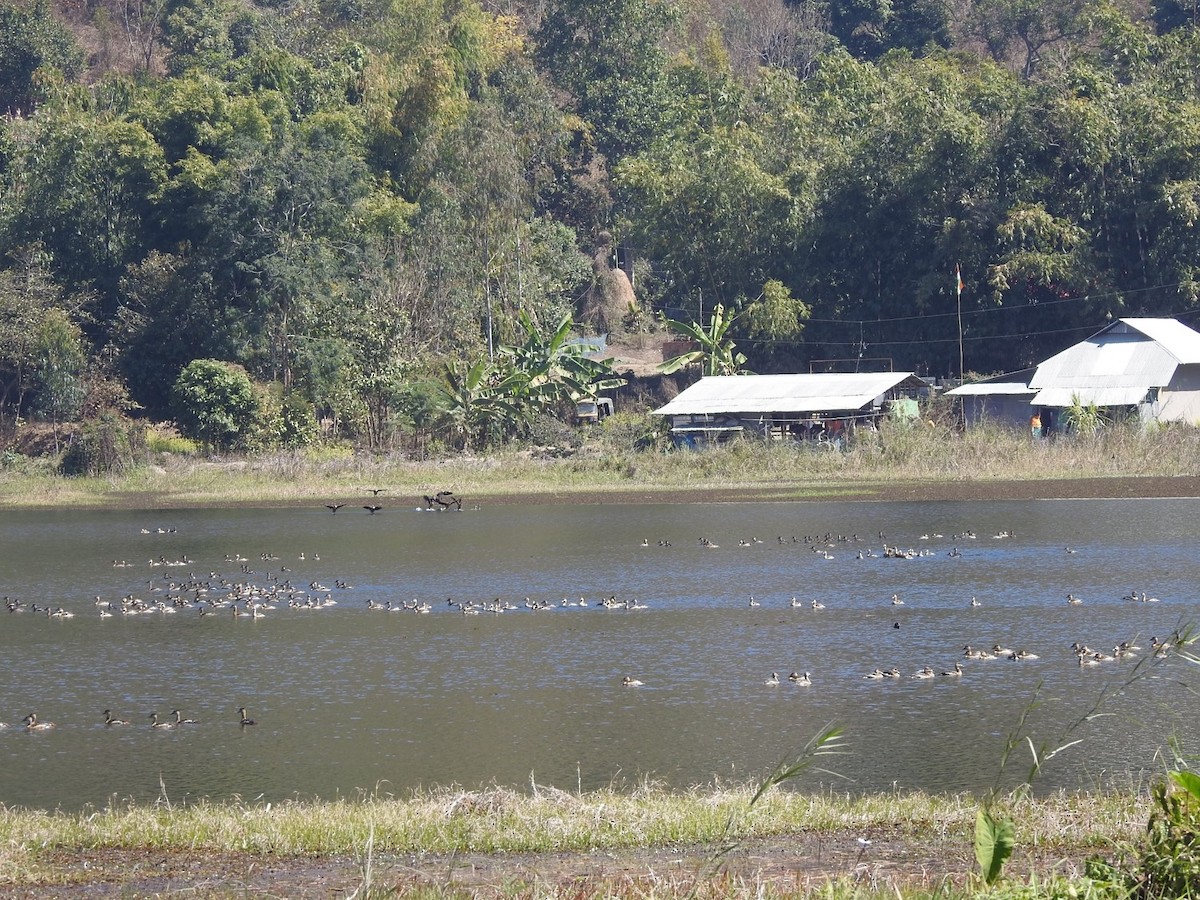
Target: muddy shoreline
[866, 491]
[876, 858]
[972, 490]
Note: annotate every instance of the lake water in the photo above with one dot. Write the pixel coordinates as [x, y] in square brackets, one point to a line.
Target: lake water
[350, 699]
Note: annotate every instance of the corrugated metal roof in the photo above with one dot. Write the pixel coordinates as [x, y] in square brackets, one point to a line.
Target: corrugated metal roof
[1100, 396]
[1176, 338]
[991, 389]
[828, 392]
[1126, 355]
[1010, 383]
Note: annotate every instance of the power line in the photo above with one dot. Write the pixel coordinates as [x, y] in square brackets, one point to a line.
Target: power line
[1024, 307]
[1041, 304]
[1091, 329]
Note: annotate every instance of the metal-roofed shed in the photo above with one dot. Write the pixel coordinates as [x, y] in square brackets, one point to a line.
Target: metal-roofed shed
[816, 406]
[1001, 398]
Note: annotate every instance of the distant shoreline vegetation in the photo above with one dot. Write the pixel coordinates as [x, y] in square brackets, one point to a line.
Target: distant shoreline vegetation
[278, 224]
[627, 459]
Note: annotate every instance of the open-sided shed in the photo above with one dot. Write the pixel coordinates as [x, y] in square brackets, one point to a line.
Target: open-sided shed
[818, 406]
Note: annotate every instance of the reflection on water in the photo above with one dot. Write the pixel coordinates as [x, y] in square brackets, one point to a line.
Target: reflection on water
[350, 698]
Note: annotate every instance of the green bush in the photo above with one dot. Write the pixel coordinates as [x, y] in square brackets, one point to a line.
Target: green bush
[1170, 863]
[158, 442]
[214, 402]
[281, 419]
[297, 422]
[547, 431]
[633, 431]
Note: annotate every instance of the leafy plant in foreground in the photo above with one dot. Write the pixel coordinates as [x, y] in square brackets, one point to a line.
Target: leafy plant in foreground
[995, 837]
[1170, 864]
[995, 840]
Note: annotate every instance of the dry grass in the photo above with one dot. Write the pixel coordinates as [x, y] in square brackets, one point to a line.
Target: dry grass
[607, 462]
[547, 819]
[645, 843]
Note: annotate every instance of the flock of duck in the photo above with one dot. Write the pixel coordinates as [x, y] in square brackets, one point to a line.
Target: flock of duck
[32, 723]
[1085, 656]
[252, 594]
[824, 547]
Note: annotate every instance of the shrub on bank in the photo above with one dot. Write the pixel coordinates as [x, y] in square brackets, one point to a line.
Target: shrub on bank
[163, 440]
[105, 446]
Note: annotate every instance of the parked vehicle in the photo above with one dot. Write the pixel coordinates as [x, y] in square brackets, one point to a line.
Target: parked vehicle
[593, 411]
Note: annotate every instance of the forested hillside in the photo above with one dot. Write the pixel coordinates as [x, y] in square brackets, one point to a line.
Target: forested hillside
[390, 214]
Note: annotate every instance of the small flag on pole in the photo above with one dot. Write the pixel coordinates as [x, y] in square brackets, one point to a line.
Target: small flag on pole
[958, 280]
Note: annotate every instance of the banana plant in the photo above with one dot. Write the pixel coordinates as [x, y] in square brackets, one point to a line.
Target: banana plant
[715, 354]
[554, 370]
[478, 404]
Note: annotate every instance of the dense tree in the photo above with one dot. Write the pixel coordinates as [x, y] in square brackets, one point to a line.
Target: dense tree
[761, 35]
[1022, 32]
[60, 359]
[715, 204]
[86, 188]
[31, 38]
[358, 200]
[41, 346]
[610, 58]
[1171, 14]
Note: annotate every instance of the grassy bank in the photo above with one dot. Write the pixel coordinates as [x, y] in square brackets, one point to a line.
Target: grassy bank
[605, 460]
[446, 823]
[501, 820]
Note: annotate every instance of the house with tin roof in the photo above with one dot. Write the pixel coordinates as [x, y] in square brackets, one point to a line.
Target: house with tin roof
[820, 406]
[1135, 366]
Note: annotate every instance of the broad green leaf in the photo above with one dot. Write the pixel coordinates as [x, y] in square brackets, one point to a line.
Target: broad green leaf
[994, 842]
[1189, 781]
